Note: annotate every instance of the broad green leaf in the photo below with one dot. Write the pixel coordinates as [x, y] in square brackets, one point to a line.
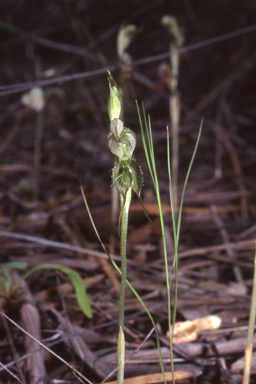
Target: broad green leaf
[76, 280]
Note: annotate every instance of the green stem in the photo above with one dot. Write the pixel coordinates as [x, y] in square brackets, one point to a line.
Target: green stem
[249, 345]
[121, 340]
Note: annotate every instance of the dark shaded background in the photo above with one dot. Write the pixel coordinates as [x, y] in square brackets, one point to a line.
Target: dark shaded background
[216, 82]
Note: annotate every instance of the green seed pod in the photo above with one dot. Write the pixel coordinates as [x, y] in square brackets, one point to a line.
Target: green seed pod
[114, 101]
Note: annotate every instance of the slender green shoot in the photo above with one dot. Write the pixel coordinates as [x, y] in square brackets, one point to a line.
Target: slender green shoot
[147, 140]
[249, 345]
[176, 228]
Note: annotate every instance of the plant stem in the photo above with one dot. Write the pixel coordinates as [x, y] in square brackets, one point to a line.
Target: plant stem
[248, 349]
[121, 341]
[37, 150]
[175, 115]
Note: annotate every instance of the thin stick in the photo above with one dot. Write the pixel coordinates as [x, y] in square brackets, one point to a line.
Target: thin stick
[21, 87]
[13, 132]
[10, 372]
[47, 349]
[14, 352]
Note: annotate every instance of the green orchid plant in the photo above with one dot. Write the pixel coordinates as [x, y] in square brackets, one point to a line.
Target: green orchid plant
[127, 176]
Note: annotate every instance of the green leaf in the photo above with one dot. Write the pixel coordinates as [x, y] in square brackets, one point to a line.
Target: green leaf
[76, 280]
[5, 279]
[15, 265]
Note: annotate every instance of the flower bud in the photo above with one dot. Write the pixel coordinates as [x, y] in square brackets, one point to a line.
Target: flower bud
[124, 38]
[173, 26]
[114, 101]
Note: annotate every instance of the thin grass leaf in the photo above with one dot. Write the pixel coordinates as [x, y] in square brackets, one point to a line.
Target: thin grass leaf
[176, 229]
[187, 176]
[149, 150]
[147, 140]
[146, 149]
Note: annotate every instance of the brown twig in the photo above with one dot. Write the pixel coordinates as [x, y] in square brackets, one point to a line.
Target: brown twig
[31, 322]
[13, 132]
[14, 352]
[76, 342]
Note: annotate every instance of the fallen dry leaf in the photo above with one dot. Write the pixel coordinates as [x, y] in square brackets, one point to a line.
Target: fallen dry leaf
[186, 331]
